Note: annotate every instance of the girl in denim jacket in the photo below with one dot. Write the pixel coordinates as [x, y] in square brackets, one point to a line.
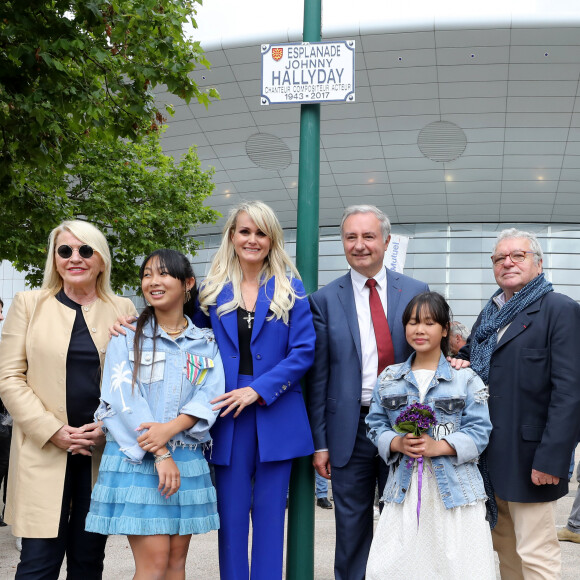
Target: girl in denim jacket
[154, 483]
[448, 537]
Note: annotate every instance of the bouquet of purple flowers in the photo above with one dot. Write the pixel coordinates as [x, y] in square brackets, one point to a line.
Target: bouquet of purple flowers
[416, 419]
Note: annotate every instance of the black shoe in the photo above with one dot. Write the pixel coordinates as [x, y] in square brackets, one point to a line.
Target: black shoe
[322, 502]
[2, 523]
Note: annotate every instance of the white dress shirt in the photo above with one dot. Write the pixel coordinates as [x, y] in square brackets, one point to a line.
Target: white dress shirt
[368, 342]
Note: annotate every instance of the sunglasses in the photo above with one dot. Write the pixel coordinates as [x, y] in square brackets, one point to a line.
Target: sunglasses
[85, 251]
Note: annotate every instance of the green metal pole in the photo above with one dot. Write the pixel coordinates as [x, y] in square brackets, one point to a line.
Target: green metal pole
[300, 555]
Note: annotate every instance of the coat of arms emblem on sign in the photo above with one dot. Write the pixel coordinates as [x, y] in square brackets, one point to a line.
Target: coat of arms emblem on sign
[277, 53]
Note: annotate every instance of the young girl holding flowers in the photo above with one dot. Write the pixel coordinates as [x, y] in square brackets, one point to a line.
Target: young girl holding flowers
[154, 483]
[433, 524]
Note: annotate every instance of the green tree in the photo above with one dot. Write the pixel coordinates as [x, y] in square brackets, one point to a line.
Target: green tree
[77, 69]
[80, 124]
[139, 197]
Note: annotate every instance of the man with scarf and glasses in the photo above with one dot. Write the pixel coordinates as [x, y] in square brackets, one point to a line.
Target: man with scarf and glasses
[524, 346]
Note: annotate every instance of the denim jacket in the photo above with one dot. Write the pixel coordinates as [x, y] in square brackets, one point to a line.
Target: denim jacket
[459, 399]
[179, 377]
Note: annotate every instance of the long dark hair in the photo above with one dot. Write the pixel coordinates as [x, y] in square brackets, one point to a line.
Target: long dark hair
[431, 304]
[177, 266]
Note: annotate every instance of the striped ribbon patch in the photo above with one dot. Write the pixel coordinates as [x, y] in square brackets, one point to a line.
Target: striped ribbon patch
[197, 367]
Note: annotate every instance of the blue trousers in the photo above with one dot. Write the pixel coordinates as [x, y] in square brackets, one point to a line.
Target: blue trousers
[574, 518]
[321, 489]
[249, 485]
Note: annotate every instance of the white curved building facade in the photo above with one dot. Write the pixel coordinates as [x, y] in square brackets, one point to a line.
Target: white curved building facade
[504, 76]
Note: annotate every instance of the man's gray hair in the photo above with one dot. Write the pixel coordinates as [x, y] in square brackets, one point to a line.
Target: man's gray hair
[460, 329]
[513, 233]
[382, 217]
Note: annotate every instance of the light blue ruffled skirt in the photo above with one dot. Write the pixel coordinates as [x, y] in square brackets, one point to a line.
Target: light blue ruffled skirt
[125, 499]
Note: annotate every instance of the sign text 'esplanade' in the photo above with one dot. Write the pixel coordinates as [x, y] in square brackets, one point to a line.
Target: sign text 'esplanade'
[308, 72]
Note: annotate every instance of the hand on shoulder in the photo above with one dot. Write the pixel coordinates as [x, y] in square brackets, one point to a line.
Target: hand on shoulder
[458, 363]
[120, 324]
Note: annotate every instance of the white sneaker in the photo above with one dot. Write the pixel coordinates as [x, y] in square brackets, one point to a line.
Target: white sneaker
[19, 544]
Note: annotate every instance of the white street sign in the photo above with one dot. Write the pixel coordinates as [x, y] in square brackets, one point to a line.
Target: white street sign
[309, 72]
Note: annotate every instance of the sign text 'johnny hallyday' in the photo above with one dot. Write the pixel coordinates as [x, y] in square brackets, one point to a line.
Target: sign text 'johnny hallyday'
[307, 72]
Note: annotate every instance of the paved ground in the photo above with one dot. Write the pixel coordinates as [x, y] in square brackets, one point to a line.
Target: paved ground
[202, 560]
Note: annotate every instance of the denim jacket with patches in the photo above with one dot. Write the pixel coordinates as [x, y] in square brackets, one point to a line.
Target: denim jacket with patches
[179, 376]
[459, 399]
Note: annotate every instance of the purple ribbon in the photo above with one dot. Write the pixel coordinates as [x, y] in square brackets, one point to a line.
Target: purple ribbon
[410, 463]
[420, 483]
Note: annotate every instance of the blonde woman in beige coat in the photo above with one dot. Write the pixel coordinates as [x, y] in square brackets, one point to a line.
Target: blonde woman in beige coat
[52, 350]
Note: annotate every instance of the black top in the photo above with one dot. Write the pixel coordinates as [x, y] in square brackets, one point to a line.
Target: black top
[244, 339]
[83, 369]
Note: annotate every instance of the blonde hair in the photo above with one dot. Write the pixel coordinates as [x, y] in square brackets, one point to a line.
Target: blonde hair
[87, 234]
[225, 267]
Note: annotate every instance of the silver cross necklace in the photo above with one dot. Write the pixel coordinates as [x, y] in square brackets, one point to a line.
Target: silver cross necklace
[249, 318]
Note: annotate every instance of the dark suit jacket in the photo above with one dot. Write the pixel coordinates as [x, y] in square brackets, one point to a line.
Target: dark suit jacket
[534, 403]
[281, 354]
[334, 381]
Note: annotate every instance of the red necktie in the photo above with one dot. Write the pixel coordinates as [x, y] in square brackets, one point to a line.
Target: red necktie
[385, 351]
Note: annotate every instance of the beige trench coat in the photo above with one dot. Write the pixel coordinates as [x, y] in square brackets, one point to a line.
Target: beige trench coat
[33, 353]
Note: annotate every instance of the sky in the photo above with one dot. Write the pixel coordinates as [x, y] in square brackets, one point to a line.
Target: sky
[223, 23]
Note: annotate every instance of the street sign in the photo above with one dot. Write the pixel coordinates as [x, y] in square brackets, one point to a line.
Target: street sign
[308, 72]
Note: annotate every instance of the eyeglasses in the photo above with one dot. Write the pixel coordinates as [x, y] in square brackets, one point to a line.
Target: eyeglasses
[517, 257]
[85, 251]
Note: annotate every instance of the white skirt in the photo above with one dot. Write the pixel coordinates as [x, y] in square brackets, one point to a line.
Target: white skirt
[447, 543]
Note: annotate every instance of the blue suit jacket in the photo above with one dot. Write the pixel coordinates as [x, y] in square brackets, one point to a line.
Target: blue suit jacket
[281, 354]
[534, 402]
[335, 380]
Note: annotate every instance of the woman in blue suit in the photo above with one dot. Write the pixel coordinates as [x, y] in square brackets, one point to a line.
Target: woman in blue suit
[264, 330]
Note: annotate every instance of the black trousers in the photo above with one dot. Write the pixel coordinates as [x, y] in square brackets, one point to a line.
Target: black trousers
[41, 558]
[5, 437]
[353, 488]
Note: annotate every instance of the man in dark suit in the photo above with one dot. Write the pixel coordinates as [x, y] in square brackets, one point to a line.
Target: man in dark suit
[344, 374]
[524, 345]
